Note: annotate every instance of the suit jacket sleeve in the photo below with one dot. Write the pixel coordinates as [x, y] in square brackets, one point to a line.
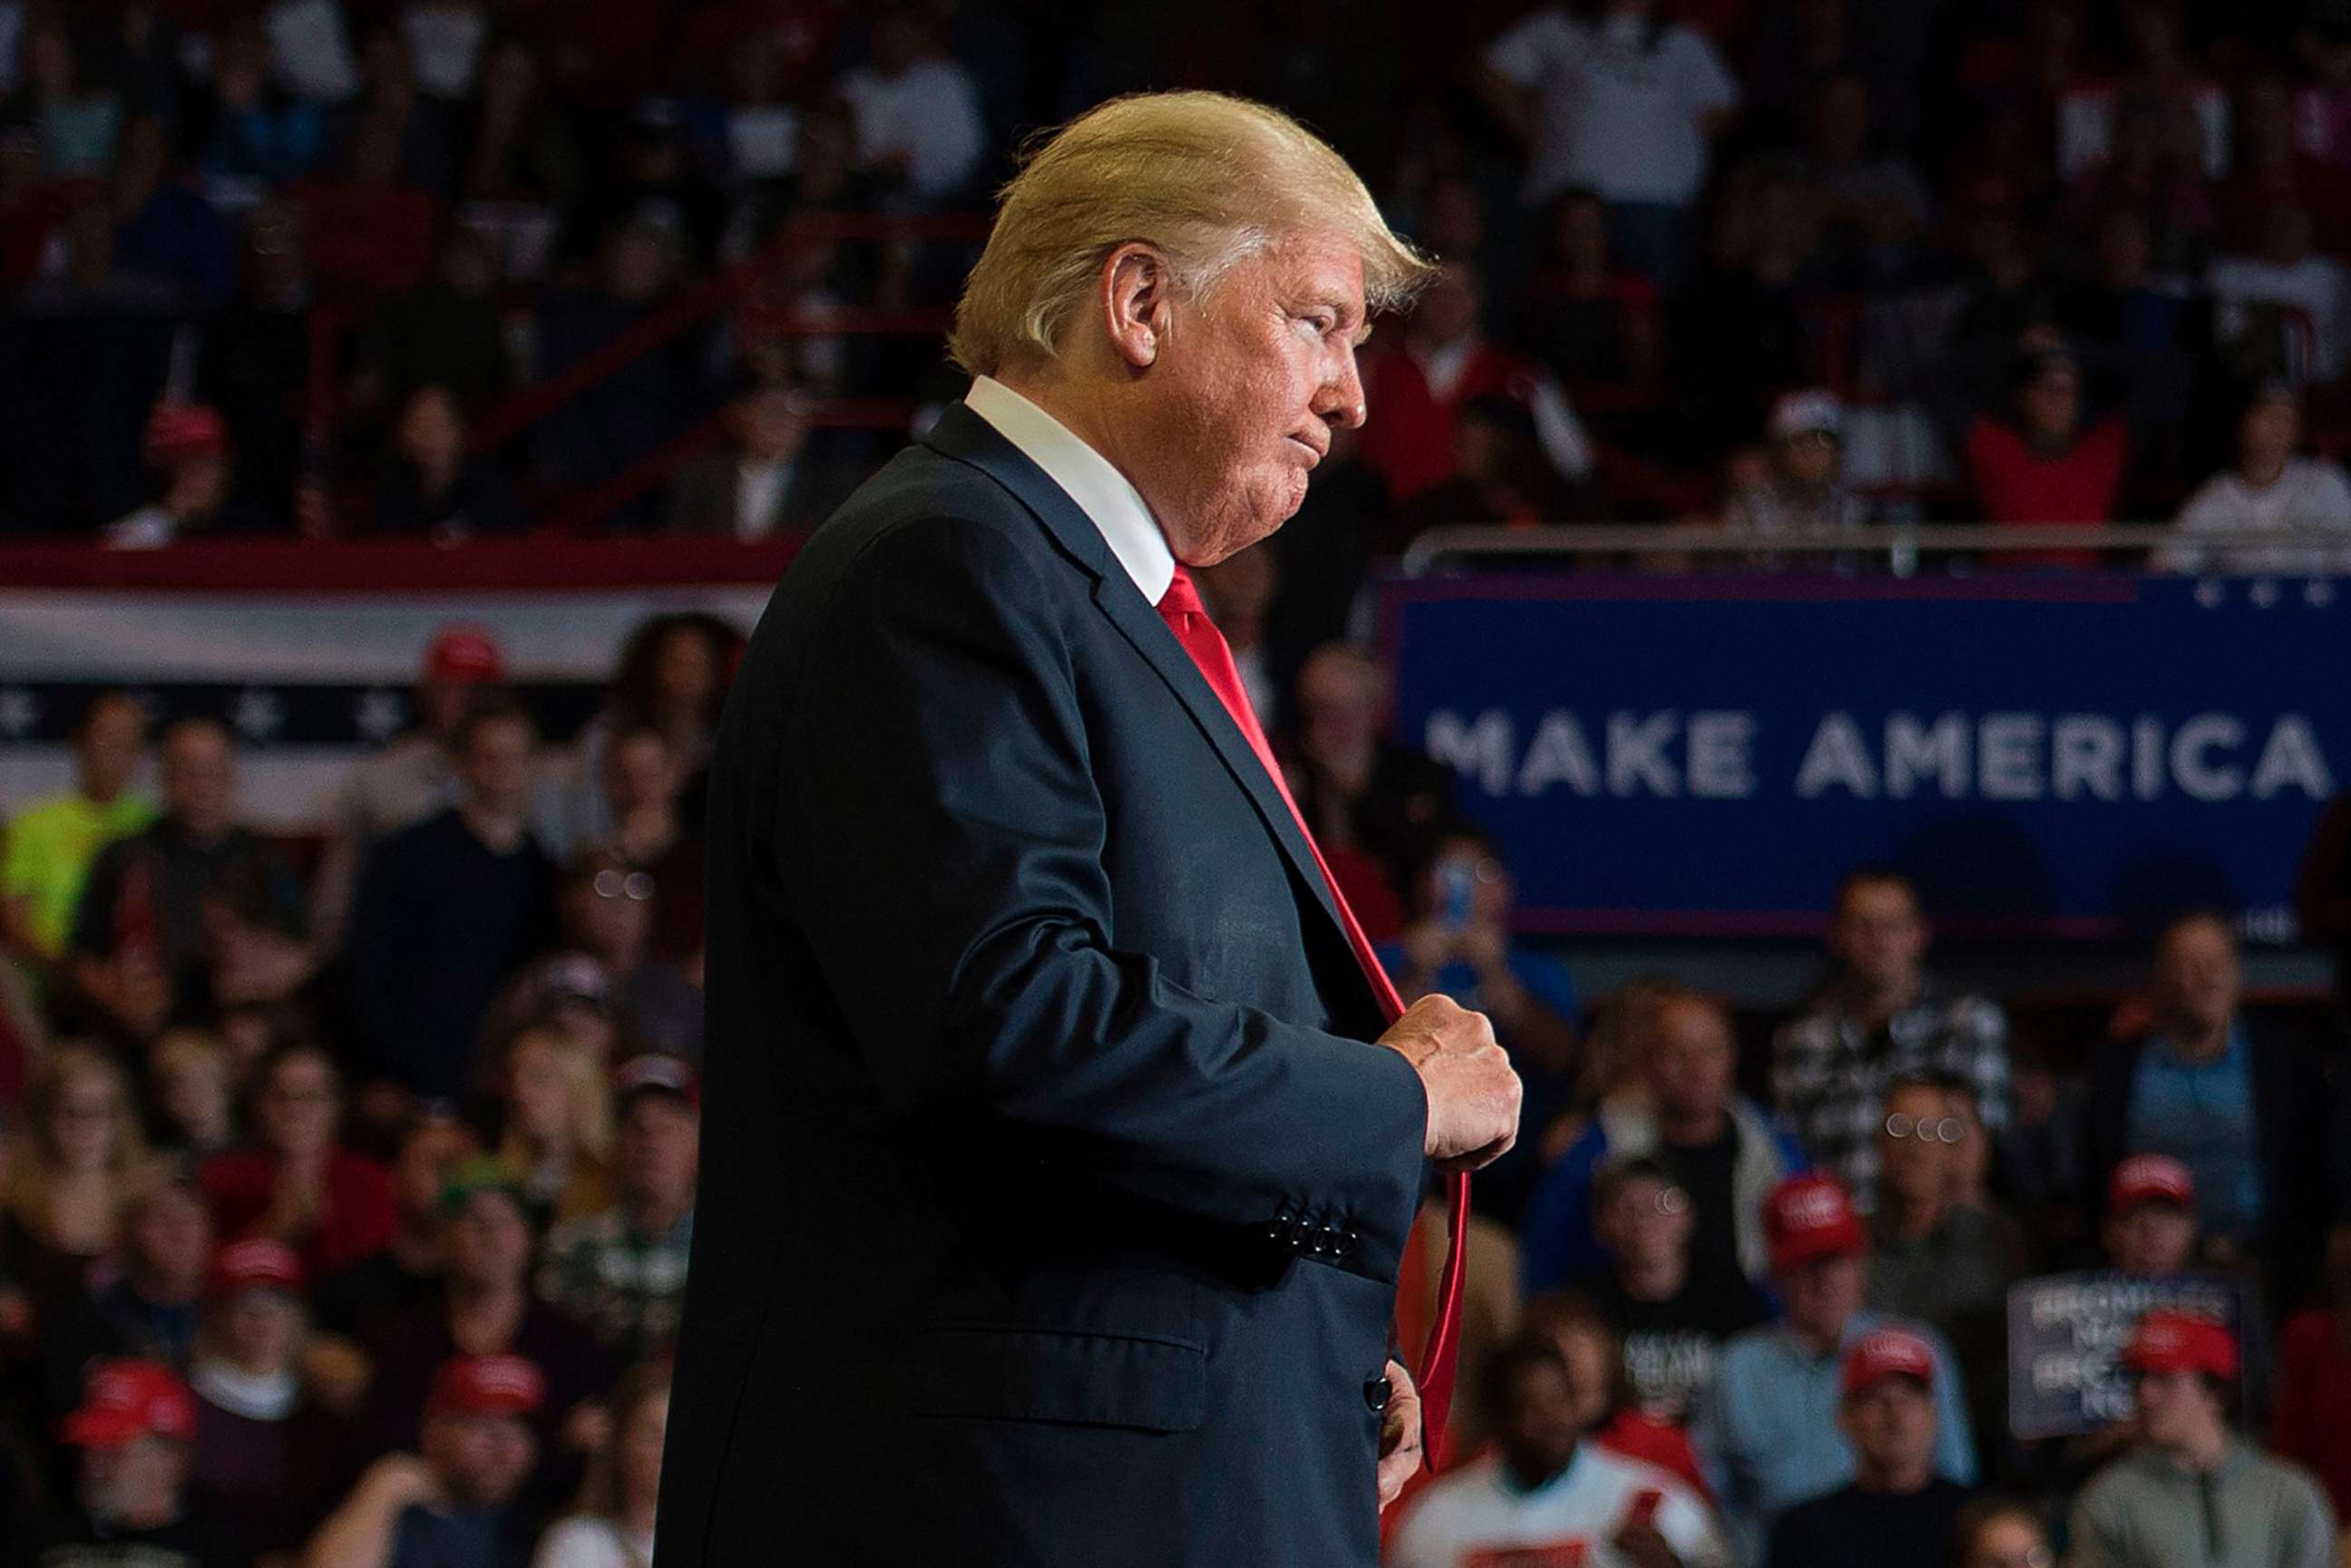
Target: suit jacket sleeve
[950, 880]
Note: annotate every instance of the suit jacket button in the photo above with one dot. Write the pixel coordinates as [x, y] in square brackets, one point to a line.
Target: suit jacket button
[1375, 1393]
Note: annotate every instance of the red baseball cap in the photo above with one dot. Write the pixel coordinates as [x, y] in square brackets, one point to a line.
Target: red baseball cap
[126, 1400]
[487, 1385]
[257, 1261]
[1809, 1217]
[2168, 1341]
[1888, 1353]
[2150, 1178]
[652, 1072]
[462, 655]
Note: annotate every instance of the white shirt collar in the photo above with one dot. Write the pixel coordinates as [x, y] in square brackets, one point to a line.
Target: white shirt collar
[1089, 478]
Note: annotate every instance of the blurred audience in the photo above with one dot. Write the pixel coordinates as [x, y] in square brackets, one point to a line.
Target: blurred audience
[1895, 1512]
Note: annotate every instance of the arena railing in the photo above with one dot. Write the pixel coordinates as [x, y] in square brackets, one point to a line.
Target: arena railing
[1901, 548]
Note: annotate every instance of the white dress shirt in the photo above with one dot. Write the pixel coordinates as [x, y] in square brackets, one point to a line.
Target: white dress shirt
[1101, 491]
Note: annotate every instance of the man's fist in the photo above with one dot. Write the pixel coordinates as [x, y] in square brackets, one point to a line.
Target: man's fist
[1473, 1094]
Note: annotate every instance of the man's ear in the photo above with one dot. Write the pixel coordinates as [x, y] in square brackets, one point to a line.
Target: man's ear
[1138, 293]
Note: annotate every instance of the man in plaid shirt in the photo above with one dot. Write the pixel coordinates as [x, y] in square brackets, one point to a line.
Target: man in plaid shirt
[1879, 1020]
[623, 1271]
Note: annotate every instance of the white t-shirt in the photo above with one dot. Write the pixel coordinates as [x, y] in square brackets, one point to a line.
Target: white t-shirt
[581, 1542]
[445, 43]
[2309, 494]
[2315, 285]
[930, 111]
[1616, 116]
[1477, 1508]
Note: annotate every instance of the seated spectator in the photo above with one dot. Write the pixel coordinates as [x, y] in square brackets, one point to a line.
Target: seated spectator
[2271, 489]
[432, 486]
[71, 1173]
[2310, 1408]
[196, 1115]
[1445, 364]
[611, 1524]
[623, 1271]
[2286, 289]
[672, 676]
[1866, 190]
[1500, 479]
[412, 778]
[1624, 102]
[1878, 1016]
[1548, 1489]
[48, 846]
[555, 1132]
[611, 980]
[2046, 465]
[767, 479]
[187, 445]
[1361, 793]
[2151, 1228]
[917, 108]
[456, 1502]
[253, 364]
[650, 183]
[1896, 1513]
[253, 135]
[1458, 945]
[1585, 319]
[1604, 1395]
[406, 1273]
[1672, 1323]
[192, 913]
[485, 1305]
[2244, 1107]
[2150, 167]
[1748, 327]
[265, 1450]
[2190, 1478]
[297, 1185]
[129, 1502]
[1803, 488]
[2000, 1533]
[1767, 1431]
[445, 332]
[1682, 1109]
[148, 1310]
[447, 909]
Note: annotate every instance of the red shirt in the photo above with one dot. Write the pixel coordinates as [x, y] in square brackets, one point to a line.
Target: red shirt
[360, 1219]
[2310, 1420]
[2015, 483]
[1410, 444]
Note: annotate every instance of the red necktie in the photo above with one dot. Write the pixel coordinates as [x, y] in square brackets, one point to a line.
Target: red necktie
[1189, 619]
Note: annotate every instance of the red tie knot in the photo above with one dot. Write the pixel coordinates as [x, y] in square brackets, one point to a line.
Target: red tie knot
[1182, 598]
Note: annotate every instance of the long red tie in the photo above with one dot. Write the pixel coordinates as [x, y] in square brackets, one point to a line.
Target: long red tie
[1180, 606]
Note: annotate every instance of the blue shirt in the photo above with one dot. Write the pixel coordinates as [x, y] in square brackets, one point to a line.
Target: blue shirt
[1767, 1431]
[2201, 1114]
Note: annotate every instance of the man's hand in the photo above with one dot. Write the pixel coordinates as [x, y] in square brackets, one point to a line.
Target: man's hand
[1400, 1435]
[1473, 1094]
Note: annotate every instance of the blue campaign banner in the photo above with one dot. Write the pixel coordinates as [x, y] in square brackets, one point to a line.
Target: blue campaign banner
[2045, 756]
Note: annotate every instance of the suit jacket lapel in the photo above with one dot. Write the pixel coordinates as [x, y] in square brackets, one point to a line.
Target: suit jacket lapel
[962, 434]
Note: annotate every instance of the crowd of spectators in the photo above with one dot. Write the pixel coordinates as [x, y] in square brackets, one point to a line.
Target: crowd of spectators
[435, 267]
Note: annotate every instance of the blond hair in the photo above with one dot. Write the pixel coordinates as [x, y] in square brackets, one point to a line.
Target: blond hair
[1209, 179]
[28, 1187]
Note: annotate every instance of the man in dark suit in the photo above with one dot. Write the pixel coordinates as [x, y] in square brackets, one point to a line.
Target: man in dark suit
[1056, 1166]
[771, 477]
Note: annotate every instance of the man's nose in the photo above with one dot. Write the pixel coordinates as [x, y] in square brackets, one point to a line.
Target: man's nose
[1340, 400]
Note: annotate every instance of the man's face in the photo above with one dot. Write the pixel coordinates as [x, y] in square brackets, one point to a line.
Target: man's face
[297, 1105]
[2051, 403]
[2151, 1239]
[109, 748]
[1891, 1425]
[260, 1328]
[1914, 1156]
[2176, 1407]
[1810, 460]
[483, 1460]
[1823, 1296]
[173, 1238]
[496, 766]
[771, 423]
[1691, 1061]
[638, 773]
[137, 1484]
[1646, 1220]
[199, 778]
[1243, 392]
[659, 1149]
[1338, 704]
[1879, 935]
[2268, 432]
[489, 1241]
[1539, 1424]
[2195, 977]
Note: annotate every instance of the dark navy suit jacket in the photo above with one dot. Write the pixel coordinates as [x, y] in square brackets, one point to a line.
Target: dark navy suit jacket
[1051, 1200]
